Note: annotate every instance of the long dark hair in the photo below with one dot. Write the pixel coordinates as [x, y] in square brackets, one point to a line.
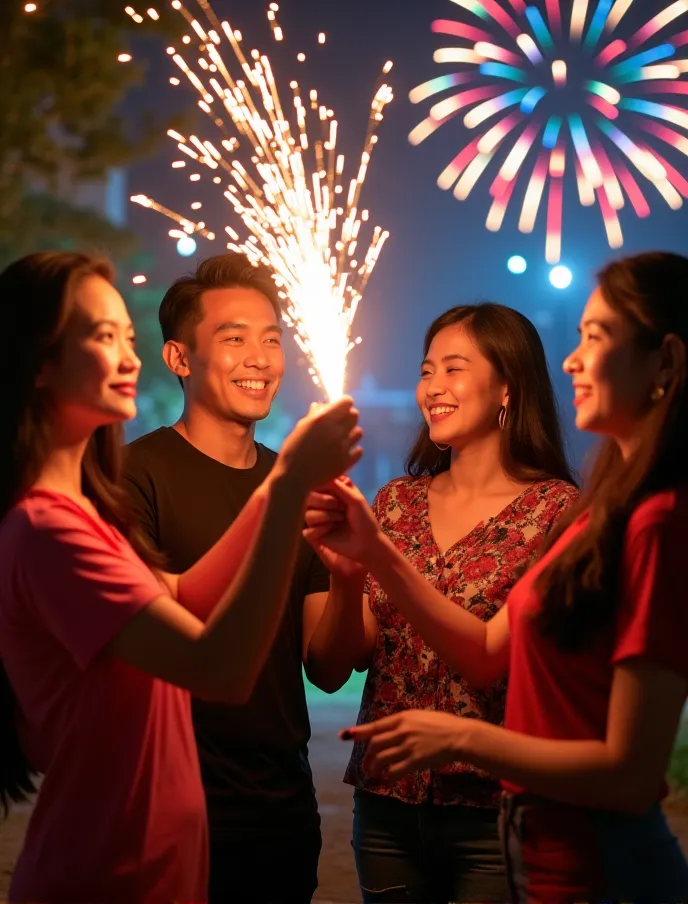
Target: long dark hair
[532, 445]
[36, 301]
[580, 587]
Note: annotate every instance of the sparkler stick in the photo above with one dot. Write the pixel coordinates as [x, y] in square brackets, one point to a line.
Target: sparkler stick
[285, 180]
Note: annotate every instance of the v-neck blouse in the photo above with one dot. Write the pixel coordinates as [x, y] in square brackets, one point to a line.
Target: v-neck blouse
[477, 572]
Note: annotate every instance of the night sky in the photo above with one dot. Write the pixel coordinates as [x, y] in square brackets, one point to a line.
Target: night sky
[439, 253]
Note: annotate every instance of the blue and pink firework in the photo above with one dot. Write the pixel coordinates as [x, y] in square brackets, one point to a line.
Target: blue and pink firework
[546, 90]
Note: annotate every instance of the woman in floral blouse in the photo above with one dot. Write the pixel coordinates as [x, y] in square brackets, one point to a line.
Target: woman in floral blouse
[488, 477]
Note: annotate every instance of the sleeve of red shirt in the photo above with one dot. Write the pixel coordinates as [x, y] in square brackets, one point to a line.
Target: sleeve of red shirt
[653, 616]
[84, 585]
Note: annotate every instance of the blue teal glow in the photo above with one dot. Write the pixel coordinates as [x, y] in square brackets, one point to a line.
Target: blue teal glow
[517, 264]
[579, 135]
[501, 70]
[537, 23]
[599, 20]
[552, 129]
[646, 107]
[661, 52]
[531, 100]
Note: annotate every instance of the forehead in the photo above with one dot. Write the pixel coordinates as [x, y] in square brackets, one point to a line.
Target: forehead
[596, 308]
[455, 339]
[237, 305]
[96, 299]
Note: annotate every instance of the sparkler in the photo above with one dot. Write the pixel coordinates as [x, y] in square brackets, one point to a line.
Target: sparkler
[515, 80]
[290, 191]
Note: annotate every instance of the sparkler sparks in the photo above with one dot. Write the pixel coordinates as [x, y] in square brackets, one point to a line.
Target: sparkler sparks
[558, 90]
[285, 180]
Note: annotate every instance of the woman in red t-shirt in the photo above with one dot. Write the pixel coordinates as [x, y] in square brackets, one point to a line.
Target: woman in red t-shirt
[99, 647]
[593, 637]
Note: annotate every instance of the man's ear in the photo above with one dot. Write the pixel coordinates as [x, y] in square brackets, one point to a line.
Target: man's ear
[175, 356]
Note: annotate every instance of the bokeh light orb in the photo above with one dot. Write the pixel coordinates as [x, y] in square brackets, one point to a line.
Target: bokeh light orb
[186, 246]
[517, 264]
[561, 277]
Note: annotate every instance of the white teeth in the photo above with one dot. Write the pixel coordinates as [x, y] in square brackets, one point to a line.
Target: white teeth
[251, 384]
[443, 410]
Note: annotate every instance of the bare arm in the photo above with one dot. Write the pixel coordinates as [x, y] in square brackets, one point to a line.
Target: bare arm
[200, 587]
[476, 650]
[223, 658]
[624, 772]
[339, 633]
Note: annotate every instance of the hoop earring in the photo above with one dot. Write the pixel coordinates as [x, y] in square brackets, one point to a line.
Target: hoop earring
[442, 446]
[657, 393]
[501, 420]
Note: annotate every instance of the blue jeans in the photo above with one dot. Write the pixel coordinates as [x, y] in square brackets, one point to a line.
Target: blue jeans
[556, 854]
[426, 854]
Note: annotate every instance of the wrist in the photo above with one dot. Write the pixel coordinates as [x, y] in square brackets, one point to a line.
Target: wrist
[464, 737]
[352, 582]
[379, 552]
[283, 484]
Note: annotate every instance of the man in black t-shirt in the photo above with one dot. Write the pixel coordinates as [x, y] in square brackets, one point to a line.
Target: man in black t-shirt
[222, 336]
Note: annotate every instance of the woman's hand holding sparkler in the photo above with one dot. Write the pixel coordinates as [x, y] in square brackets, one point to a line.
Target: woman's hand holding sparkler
[322, 445]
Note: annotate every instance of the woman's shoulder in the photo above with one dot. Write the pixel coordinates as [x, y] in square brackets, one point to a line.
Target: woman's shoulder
[545, 501]
[560, 491]
[667, 508]
[403, 488]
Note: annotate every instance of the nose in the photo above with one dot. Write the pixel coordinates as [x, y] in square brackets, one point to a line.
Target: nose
[435, 386]
[572, 362]
[129, 361]
[256, 356]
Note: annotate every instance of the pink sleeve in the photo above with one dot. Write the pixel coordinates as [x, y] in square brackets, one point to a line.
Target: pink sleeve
[85, 584]
[653, 616]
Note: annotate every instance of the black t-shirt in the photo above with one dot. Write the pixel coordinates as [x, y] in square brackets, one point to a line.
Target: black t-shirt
[254, 758]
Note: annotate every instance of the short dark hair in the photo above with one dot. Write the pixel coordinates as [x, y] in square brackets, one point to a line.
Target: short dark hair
[532, 443]
[181, 310]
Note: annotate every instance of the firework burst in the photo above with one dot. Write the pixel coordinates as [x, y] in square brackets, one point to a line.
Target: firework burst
[546, 91]
[284, 179]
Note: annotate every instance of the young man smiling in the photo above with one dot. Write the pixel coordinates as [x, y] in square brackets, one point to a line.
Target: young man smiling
[222, 334]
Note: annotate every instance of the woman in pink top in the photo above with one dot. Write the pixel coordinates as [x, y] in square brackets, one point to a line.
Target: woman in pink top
[593, 637]
[99, 647]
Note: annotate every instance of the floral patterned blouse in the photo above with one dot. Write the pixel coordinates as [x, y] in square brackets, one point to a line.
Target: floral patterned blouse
[477, 573]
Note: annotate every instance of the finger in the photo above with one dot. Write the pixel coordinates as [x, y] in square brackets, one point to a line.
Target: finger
[368, 729]
[355, 436]
[316, 518]
[402, 767]
[325, 501]
[355, 455]
[378, 762]
[315, 536]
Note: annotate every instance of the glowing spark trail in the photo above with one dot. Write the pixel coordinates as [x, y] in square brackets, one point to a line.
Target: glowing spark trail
[283, 177]
[558, 90]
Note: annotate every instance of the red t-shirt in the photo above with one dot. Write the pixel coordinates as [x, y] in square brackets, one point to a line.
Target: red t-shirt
[120, 815]
[565, 696]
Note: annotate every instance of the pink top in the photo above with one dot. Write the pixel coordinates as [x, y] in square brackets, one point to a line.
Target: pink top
[121, 814]
[564, 695]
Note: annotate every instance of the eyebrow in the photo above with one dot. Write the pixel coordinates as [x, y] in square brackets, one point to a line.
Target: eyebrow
[448, 358]
[593, 321]
[113, 323]
[235, 325]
